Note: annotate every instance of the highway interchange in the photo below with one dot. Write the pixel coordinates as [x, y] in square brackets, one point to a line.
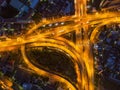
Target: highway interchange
[51, 37]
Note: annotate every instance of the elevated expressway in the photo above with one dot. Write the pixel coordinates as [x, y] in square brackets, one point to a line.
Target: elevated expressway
[52, 37]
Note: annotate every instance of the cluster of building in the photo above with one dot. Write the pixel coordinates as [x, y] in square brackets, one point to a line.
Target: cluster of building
[54, 8]
[103, 5]
[17, 8]
[30, 81]
[107, 54]
[16, 15]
